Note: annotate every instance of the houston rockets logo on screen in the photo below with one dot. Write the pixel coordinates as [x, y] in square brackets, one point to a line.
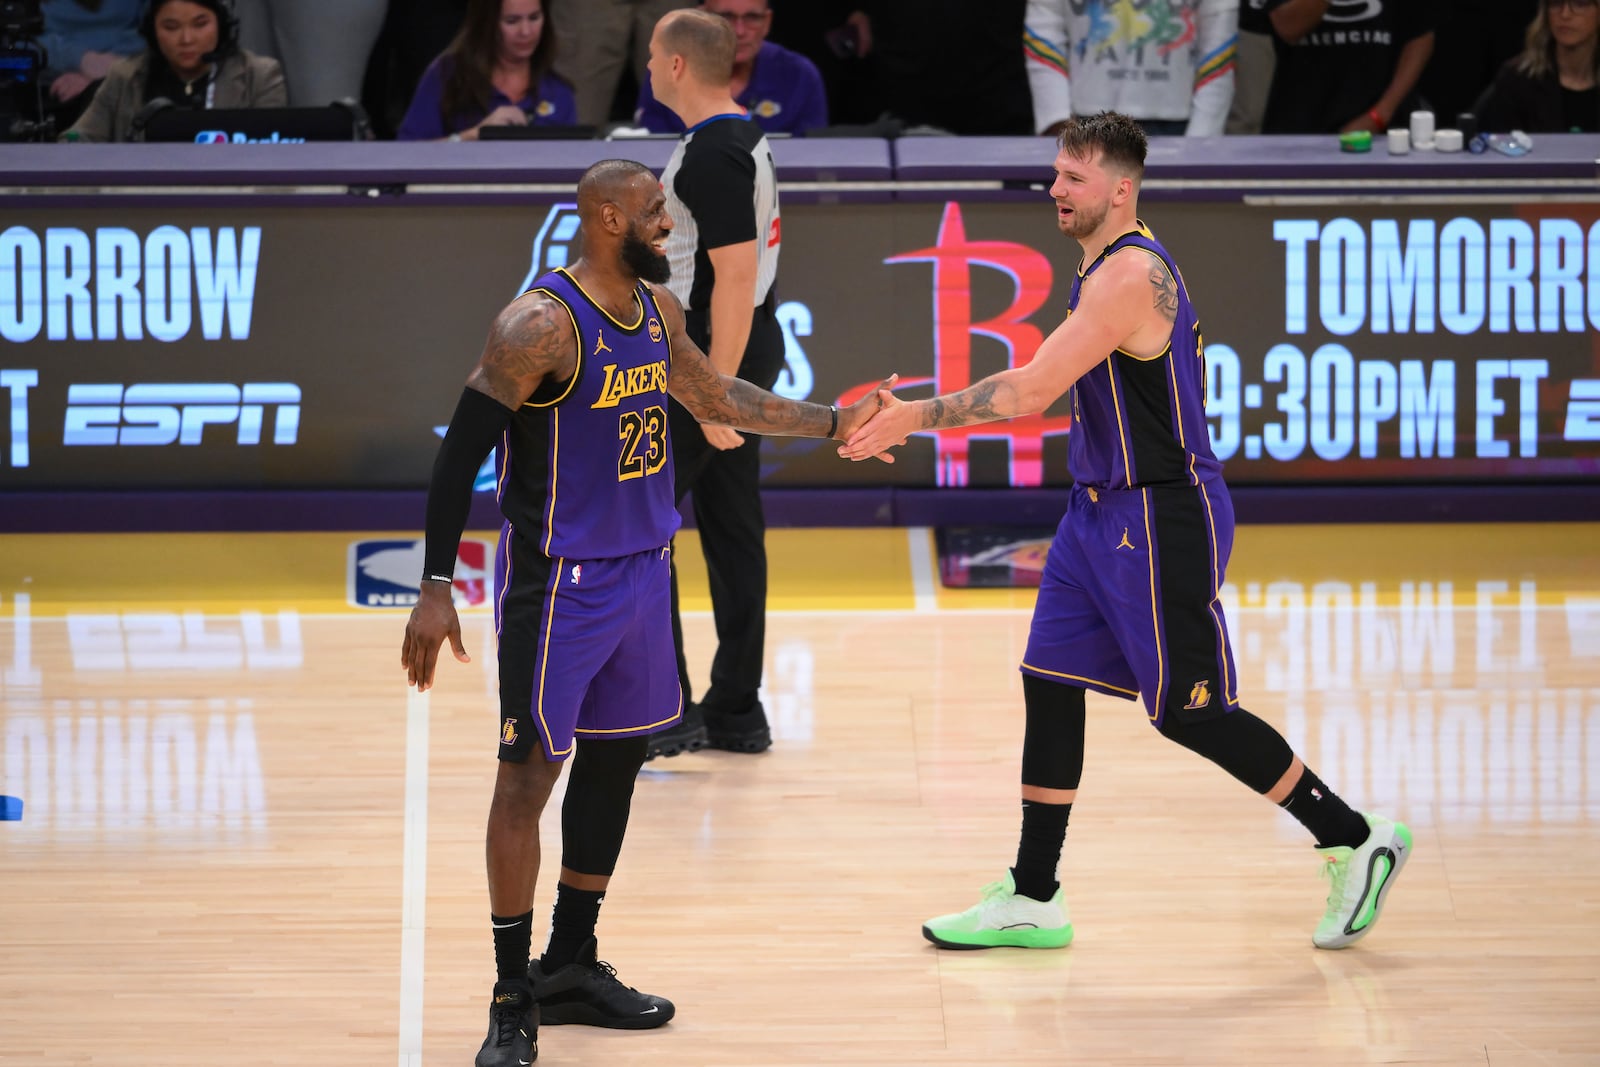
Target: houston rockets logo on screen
[955, 257]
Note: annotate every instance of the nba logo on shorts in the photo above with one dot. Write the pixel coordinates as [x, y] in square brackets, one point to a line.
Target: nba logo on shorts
[211, 137]
[388, 574]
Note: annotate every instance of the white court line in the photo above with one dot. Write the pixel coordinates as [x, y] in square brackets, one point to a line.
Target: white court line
[414, 896]
[925, 599]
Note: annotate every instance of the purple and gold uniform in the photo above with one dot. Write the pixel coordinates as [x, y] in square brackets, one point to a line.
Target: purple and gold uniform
[1128, 601]
[582, 609]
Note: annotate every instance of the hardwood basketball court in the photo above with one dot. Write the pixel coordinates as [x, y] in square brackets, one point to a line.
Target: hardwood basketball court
[244, 842]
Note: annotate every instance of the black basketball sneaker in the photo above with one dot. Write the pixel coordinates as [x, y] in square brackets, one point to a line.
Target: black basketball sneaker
[513, 1039]
[587, 992]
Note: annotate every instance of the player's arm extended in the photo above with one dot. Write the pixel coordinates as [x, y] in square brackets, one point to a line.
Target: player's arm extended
[530, 341]
[1116, 301]
[721, 398]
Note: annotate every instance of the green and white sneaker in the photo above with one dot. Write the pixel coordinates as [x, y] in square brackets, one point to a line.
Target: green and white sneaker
[1361, 879]
[1004, 918]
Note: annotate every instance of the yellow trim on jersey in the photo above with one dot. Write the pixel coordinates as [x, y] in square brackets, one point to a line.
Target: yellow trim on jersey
[1079, 678]
[601, 307]
[1169, 269]
[577, 336]
[1155, 612]
[1177, 397]
[1138, 227]
[1122, 434]
[544, 664]
[627, 729]
[555, 475]
[500, 605]
[1163, 354]
[1229, 694]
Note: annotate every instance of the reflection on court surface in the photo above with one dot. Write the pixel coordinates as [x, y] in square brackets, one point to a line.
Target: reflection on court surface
[241, 834]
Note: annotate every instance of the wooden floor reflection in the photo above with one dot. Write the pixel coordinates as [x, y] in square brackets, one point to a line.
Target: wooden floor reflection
[244, 843]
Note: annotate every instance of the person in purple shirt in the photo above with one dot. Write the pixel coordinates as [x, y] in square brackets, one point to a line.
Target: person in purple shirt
[497, 72]
[782, 90]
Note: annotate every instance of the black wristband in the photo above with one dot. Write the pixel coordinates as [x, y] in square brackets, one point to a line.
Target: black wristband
[474, 430]
[833, 419]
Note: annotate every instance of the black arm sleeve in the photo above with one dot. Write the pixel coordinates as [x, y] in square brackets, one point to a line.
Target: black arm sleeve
[474, 430]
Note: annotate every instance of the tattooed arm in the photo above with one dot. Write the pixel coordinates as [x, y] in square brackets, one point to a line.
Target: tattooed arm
[722, 398]
[530, 341]
[1123, 305]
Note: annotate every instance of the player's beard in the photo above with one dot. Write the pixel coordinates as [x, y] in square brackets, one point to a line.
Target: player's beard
[643, 261]
[1085, 221]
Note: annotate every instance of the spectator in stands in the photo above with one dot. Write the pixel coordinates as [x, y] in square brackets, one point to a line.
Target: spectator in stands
[600, 39]
[782, 90]
[1469, 48]
[323, 44]
[83, 40]
[193, 59]
[1253, 63]
[1169, 66]
[499, 71]
[1552, 86]
[1347, 66]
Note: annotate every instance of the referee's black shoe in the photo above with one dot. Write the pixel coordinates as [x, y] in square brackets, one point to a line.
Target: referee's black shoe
[513, 1039]
[738, 731]
[587, 992]
[689, 735]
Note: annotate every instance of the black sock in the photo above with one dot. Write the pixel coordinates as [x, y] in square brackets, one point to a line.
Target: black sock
[1319, 809]
[1044, 829]
[572, 923]
[513, 940]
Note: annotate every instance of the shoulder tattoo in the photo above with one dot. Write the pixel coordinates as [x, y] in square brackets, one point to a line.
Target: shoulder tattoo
[1165, 291]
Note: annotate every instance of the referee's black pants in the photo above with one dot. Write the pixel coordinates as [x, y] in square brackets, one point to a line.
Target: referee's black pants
[733, 530]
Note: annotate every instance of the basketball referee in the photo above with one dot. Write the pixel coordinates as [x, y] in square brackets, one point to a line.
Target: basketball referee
[722, 192]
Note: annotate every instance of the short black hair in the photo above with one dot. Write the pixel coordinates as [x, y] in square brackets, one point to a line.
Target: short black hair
[1120, 140]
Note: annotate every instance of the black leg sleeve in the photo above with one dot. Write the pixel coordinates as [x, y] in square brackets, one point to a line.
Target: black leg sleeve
[594, 815]
[1052, 747]
[1238, 742]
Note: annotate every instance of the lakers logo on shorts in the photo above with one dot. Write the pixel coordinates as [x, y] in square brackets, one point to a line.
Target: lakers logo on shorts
[508, 732]
[1199, 696]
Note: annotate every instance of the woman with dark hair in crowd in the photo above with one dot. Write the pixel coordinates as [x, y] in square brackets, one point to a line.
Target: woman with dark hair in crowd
[497, 72]
[191, 58]
[1554, 85]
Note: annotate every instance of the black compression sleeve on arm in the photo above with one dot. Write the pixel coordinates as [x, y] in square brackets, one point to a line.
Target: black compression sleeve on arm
[475, 428]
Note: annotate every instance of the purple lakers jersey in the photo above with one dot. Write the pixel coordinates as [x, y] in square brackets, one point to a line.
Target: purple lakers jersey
[585, 470]
[1141, 421]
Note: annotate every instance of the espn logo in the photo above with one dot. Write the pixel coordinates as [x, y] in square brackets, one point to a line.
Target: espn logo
[164, 414]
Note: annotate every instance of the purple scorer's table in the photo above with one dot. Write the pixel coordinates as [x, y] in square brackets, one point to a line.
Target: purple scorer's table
[1215, 168]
